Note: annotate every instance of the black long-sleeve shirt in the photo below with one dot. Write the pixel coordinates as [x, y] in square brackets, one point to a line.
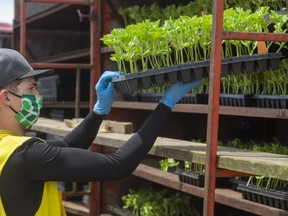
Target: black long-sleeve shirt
[34, 162]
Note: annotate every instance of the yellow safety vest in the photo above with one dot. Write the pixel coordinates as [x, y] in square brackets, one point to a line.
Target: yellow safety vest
[51, 203]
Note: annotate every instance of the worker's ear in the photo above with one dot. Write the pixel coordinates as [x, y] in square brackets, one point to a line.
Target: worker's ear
[4, 98]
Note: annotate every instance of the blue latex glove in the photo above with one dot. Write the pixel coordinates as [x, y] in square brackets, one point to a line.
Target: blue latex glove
[176, 91]
[104, 90]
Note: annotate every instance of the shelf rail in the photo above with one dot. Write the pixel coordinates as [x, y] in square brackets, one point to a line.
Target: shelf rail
[214, 93]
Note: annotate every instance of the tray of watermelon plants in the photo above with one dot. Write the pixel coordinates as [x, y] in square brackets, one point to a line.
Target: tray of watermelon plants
[195, 71]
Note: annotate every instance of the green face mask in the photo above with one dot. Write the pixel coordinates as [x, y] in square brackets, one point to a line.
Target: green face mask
[30, 110]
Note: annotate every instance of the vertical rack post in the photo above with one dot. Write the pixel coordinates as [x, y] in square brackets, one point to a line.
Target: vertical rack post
[77, 92]
[214, 91]
[213, 108]
[23, 28]
[95, 61]
[95, 47]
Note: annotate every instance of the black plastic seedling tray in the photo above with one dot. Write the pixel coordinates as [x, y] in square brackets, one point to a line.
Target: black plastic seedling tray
[270, 101]
[276, 199]
[238, 100]
[195, 71]
[197, 179]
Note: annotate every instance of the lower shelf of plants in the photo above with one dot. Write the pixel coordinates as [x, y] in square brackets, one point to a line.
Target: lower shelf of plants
[224, 195]
[259, 189]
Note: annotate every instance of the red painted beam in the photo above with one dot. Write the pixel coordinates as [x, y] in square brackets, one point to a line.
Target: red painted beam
[74, 2]
[230, 173]
[60, 65]
[213, 108]
[23, 28]
[254, 36]
[95, 61]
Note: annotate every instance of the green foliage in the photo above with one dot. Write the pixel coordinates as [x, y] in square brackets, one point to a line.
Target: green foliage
[268, 183]
[165, 164]
[149, 202]
[151, 44]
[194, 167]
[274, 147]
[135, 14]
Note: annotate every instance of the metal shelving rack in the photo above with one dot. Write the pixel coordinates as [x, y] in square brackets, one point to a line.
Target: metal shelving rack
[212, 110]
[214, 92]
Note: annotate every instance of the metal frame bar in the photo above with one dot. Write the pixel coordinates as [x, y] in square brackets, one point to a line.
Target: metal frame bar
[74, 2]
[23, 28]
[254, 36]
[95, 59]
[213, 108]
[60, 65]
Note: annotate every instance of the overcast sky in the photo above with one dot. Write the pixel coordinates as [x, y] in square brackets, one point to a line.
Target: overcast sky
[7, 11]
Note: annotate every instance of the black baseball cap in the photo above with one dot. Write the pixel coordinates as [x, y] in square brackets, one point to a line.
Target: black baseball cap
[13, 66]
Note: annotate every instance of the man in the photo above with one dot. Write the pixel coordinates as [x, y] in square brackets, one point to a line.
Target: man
[30, 167]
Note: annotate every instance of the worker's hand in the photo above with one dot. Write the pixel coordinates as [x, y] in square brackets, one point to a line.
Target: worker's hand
[176, 91]
[104, 90]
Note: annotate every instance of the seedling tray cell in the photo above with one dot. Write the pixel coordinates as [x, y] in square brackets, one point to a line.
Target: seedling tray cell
[249, 66]
[158, 80]
[195, 71]
[171, 78]
[274, 64]
[145, 82]
[224, 69]
[236, 67]
[199, 73]
[262, 65]
[184, 75]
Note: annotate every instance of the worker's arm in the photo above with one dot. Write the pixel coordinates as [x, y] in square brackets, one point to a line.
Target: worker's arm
[37, 161]
[83, 135]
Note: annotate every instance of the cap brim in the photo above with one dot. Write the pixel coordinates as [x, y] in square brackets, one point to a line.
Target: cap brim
[37, 73]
